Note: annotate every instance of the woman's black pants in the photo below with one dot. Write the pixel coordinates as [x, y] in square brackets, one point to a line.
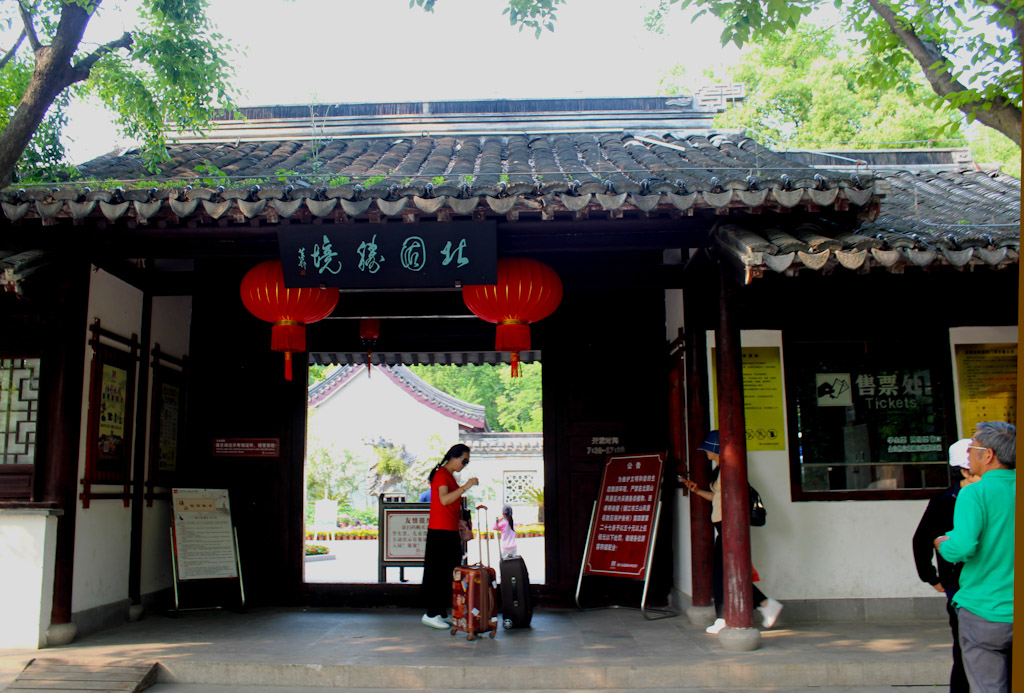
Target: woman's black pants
[442, 554]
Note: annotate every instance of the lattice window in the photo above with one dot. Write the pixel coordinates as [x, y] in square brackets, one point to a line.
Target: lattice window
[518, 486]
[19, 410]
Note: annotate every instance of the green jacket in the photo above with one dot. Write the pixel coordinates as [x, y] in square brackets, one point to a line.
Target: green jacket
[983, 539]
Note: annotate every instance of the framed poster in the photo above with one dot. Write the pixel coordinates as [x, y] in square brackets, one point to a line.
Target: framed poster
[111, 408]
[166, 424]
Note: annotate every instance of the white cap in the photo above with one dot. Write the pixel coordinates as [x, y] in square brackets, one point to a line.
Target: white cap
[958, 453]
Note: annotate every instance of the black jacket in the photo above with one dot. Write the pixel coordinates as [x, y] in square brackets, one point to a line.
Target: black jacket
[936, 521]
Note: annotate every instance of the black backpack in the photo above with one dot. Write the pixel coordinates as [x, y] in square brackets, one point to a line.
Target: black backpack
[758, 515]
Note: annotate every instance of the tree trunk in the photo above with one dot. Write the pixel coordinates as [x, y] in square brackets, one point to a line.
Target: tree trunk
[1002, 116]
[52, 74]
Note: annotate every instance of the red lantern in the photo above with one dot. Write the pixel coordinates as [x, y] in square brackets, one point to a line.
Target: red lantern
[290, 310]
[369, 333]
[527, 291]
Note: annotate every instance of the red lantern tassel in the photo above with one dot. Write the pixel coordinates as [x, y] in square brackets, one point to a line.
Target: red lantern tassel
[288, 366]
[513, 337]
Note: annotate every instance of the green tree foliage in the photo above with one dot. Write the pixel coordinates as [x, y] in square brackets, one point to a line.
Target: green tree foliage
[969, 51]
[330, 473]
[802, 90]
[167, 69]
[511, 404]
[318, 373]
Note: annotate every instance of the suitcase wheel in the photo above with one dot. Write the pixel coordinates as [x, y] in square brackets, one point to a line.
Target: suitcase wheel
[507, 624]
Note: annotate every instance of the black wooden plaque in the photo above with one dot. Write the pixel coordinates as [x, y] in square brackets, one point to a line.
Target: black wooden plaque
[384, 256]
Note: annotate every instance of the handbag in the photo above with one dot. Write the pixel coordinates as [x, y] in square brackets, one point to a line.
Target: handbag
[465, 523]
[758, 514]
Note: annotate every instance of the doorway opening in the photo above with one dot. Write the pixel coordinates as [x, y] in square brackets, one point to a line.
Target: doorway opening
[376, 432]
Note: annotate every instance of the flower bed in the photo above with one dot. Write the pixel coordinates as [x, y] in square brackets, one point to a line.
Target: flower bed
[316, 550]
[522, 531]
[341, 533]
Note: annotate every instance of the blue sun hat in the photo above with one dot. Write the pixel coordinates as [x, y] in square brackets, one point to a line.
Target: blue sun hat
[710, 443]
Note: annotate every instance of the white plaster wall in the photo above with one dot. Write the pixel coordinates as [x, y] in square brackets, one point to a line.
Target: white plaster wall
[102, 532]
[171, 328]
[27, 547]
[490, 470]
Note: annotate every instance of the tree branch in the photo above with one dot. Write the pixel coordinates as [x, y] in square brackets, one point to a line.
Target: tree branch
[11, 53]
[29, 30]
[1002, 116]
[81, 69]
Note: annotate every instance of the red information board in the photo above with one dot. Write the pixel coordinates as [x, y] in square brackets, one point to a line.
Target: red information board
[623, 524]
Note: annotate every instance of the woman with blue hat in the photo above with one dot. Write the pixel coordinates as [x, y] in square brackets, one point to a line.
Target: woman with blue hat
[769, 608]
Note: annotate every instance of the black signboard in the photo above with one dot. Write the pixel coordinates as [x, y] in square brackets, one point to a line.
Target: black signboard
[367, 256]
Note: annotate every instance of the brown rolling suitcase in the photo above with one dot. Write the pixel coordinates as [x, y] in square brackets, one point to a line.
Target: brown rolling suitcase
[474, 594]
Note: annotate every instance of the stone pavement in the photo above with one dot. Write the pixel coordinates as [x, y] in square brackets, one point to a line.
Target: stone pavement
[283, 649]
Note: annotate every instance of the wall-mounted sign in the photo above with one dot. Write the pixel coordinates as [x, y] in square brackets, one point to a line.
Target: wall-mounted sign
[425, 255]
[596, 446]
[247, 447]
[987, 379]
[763, 396]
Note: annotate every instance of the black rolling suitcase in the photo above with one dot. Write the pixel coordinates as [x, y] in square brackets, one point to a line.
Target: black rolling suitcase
[516, 610]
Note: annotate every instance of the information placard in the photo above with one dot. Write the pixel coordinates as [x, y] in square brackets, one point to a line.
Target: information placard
[204, 543]
[624, 519]
[405, 532]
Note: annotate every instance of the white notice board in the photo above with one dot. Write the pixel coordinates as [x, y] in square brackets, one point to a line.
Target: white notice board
[204, 542]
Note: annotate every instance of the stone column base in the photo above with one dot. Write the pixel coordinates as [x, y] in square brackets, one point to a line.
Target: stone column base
[60, 634]
[702, 616]
[739, 639]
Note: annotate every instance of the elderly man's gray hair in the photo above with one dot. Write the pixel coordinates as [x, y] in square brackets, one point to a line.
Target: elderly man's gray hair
[1001, 438]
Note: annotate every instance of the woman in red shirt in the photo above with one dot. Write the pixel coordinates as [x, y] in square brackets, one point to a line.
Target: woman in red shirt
[444, 547]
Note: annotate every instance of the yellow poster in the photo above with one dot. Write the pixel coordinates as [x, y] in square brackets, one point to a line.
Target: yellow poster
[762, 397]
[987, 380]
[112, 402]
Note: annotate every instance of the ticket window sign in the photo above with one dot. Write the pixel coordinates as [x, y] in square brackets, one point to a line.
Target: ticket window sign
[625, 515]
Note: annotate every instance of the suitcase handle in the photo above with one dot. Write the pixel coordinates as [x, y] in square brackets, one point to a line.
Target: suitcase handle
[482, 525]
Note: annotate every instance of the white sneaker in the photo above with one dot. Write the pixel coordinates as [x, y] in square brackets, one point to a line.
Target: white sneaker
[434, 622]
[718, 625]
[770, 612]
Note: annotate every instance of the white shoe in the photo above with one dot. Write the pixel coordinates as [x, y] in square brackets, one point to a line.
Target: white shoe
[718, 625]
[770, 612]
[434, 622]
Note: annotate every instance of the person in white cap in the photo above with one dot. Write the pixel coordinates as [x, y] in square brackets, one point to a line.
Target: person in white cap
[937, 520]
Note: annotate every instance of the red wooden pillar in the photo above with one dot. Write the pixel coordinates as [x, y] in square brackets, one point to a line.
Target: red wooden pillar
[702, 538]
[738, 605]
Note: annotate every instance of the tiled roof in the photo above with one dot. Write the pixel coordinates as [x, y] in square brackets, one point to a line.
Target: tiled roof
[504, 443]
[549, 161]
[958, 218]
[471, 416]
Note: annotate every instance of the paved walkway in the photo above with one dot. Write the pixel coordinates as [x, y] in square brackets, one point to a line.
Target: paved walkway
[611, 649]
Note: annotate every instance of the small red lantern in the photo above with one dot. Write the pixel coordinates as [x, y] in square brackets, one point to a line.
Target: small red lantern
[290, 310]
[369, 333]
[527, 291]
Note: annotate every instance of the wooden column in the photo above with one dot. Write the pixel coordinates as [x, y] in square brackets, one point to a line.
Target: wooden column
[735, 496]
[702, 534]
[139, 455]
[65, 366]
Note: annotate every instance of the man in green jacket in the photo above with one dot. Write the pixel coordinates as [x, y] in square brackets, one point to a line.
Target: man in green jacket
[983, 539]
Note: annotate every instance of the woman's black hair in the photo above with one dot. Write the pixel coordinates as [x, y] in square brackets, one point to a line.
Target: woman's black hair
[507, 512]
[714, 474]
[457, 450]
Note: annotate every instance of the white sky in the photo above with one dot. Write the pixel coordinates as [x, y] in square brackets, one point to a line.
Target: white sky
[333, 51]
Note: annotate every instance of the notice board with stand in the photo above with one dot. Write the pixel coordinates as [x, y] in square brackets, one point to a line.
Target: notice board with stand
[624, 523]
[204, 542]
